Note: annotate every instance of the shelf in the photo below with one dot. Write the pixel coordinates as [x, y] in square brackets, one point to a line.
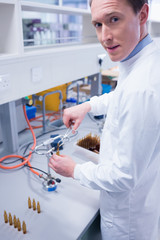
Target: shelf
[59, 61]
[7, 57]
[36, 50]
[7, 2]
[84, 41]
[58, 66]
[9, 25]
[48, 8]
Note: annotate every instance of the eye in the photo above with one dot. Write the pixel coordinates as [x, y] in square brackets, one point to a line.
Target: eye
[114, 19]
[97, 25]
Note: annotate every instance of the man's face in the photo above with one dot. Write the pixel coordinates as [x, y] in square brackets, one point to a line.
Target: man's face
[117, 26]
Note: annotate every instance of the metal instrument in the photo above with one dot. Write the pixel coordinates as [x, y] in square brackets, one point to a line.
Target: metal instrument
[45, 148]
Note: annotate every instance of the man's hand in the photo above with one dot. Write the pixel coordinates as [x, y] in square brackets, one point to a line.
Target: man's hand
[75, 115]
[62, 165]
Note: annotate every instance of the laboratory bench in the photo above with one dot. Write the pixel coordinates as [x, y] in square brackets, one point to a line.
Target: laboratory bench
[71, 212]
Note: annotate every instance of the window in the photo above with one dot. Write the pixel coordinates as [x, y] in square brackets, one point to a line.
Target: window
[76, 3]
[155, 10]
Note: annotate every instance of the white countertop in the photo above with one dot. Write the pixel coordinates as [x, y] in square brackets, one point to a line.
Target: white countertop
[65, 213]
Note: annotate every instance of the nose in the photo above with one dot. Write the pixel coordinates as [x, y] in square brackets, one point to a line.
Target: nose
[106, 34]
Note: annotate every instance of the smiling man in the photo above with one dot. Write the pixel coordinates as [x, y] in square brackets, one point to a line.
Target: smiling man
[118, 27]
[128, 172]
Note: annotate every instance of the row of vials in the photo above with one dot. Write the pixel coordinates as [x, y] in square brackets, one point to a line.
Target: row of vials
[16, 222]
[33, 205]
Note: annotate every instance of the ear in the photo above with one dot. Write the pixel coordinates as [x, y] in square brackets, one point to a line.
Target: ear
[143, 15]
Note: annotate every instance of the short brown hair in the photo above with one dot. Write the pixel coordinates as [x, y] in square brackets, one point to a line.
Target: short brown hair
[135, 4]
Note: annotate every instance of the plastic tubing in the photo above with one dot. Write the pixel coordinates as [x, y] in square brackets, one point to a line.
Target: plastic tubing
[26, 160]
[49, 116]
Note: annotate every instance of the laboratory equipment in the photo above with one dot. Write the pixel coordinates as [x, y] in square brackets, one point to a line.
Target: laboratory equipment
[15, 222]
[92, 143]
[50, 183]
[53, 204]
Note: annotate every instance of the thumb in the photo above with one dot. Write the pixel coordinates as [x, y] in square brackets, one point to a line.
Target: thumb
[55, 157]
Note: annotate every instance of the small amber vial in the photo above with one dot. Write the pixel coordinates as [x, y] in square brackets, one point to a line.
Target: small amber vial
[34, 205]
[15, 221]
[19, 225]
[10, 219]
[57, 152]
[29, 203]
[38, 208]
[24, 227]
[5, 217]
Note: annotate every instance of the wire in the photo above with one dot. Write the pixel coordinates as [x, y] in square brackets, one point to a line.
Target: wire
[56, 128]
[54, 115]
[26, 148]
[14, 156]
[25, 160]
[36, 169]
[27, 145]
[18, 159]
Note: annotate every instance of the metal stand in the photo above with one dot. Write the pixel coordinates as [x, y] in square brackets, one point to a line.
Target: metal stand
[44, 111]
[9, 126]
[96, 85]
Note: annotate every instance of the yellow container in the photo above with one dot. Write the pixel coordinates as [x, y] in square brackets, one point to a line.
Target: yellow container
[52, 101]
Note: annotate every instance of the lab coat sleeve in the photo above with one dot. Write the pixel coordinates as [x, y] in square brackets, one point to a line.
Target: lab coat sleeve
[99, 105]
[138, 132]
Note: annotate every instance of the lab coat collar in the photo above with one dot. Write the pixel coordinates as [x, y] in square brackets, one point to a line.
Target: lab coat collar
[125, 67]
[143, 43]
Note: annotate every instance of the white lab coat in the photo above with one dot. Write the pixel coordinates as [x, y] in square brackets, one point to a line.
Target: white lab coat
[128, 173]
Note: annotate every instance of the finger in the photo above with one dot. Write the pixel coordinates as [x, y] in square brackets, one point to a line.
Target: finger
[66, 122]
[51, 166]
[55, 157]
[71, 123]
[51, 161]
[76, 125]
[66, 119]
[62, 156]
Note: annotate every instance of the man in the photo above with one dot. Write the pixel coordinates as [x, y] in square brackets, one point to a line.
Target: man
[128, 173]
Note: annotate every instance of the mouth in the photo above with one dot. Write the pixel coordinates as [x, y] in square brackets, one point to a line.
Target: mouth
[112, 48]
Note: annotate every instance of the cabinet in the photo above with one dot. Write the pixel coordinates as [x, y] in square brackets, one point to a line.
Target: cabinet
[33, 65]
[10, 32]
